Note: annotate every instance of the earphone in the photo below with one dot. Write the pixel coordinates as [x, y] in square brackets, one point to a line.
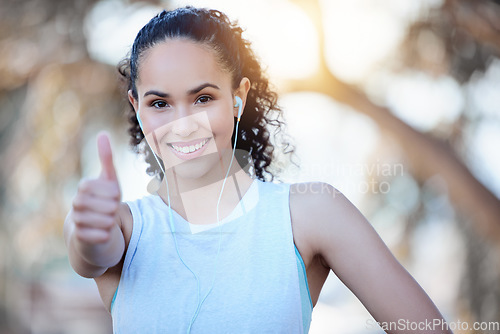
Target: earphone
[239, 105]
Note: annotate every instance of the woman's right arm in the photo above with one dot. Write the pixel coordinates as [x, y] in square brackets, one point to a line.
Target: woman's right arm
[93, 227]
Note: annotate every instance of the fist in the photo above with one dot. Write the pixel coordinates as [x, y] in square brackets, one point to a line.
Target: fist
[96, 203]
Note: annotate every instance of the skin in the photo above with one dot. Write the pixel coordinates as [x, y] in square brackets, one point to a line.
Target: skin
[329, 232]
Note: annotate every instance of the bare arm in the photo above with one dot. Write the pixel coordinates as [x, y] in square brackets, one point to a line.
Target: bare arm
[348, 244]
[92, 229]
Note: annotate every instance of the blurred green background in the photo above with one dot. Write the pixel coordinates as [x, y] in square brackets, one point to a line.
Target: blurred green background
[395, 103]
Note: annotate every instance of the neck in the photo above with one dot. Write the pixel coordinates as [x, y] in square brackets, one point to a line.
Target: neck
[197, 199]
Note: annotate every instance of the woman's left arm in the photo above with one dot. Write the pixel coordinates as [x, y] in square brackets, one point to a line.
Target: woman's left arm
[347, 243]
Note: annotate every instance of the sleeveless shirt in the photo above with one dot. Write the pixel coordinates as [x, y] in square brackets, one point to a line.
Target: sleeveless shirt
[243, 275]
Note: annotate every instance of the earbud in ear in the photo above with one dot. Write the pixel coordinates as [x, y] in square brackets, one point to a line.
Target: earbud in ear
[239, 105]
[238, 101]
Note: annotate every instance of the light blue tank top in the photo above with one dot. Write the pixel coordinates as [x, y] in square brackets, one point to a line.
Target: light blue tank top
[260, 283]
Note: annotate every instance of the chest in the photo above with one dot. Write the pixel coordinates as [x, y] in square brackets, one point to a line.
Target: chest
[241, 276]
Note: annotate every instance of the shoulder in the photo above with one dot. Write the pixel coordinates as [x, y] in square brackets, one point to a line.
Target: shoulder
[125, 222]
[322, 217]
[316, 200]
[309, 203]
[133, 213]
[132, 210]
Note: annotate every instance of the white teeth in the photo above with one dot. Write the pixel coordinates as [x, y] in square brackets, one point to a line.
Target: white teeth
[191, 148]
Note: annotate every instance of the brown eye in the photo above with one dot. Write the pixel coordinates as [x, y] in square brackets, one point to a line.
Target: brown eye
[204, 99]
[158, 104]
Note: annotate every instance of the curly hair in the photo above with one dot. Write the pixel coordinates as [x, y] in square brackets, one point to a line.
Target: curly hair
[234, 54]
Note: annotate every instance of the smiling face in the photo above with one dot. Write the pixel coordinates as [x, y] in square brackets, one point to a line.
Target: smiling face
[185, 101]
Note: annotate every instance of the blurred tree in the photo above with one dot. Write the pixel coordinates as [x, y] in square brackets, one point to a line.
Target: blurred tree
[470, 32]
[49, 89]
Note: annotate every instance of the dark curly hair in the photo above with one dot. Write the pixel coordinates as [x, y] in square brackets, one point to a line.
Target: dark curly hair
[213, 28]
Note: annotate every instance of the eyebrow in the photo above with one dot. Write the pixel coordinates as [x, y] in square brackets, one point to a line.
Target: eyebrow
[201, 87]
[189, 92]
[157, 93]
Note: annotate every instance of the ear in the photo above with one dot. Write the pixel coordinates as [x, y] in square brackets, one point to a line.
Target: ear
[242, 92]
[133, 101]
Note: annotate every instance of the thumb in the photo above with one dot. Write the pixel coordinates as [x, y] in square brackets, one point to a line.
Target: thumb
[106, 157]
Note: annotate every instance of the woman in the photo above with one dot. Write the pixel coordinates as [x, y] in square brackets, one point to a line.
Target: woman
[217, 250]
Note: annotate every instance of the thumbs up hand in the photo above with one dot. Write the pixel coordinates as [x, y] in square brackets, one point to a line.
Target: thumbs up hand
[97, 201]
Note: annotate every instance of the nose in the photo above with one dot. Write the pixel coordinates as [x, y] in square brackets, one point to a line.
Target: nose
[183, 126]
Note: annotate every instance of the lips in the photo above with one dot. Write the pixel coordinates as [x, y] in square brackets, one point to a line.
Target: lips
[189, 150]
